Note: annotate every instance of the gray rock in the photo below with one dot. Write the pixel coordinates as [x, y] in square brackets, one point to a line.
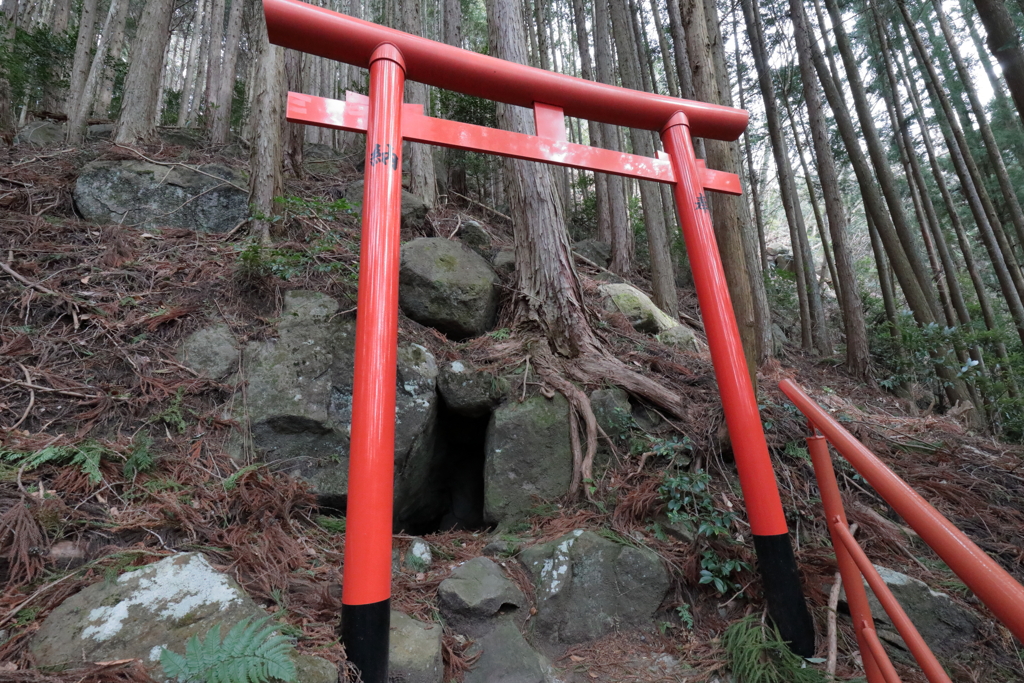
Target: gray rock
[300, 405]
[779, 339]
[446, 285]
[527, 456]
[504, 261]
[638, 308]
[681, 337]
[784, 262]
[500, 547]
[310, 669]
[42, 133]
[473, 235]
[100, 131]
[147, 195]
[594, 250]
[184, 137]
[210, 351]
[414, 209]
[612, 410]
[143, 611]
[475, 594]
[418, 557]
[588, 586]
[506, 657]
[414, 653]
[947, 628]
[467, 391]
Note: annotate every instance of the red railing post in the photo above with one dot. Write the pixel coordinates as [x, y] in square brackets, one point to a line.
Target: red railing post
[856, 596]
[1000, 592]
[366, 584]
[933, 671]
[776, 562]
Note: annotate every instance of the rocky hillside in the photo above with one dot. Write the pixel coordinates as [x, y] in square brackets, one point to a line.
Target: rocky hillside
[176, 400]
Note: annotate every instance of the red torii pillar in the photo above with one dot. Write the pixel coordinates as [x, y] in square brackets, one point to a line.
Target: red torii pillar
[393, 56]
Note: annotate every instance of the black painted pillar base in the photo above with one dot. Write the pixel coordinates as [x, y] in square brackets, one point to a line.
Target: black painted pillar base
[365, 631]
[783, 593]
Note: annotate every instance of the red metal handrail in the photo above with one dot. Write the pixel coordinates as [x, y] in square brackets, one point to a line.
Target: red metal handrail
[990, 582]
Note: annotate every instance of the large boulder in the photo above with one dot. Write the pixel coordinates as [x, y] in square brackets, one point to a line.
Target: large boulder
[414, 650]
[595, 251]
[947, 628]
[588, 586]
[506, 657]
[299, 402]
[42, 133]
[638, 308]
[644, 316]
[477, 594]
[467, 391]
[447, 286]
[414, 209]
[473, 235]
[144, 611]
[138, 193]
[527, 456]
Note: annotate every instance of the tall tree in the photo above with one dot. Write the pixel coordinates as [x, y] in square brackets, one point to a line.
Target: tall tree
[267, 145]
[224, 85]
[83, 52]
[879, 160]
[1004, 43]
[662, 278]
[78, 117]
[813, 331]
[857, 353]
[740, 271]
[999, 170]
[138, 117]
[422, 181]
[618, 215]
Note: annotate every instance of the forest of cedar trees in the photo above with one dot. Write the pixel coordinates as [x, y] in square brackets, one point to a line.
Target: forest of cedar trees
[880, 168]
[878, 243]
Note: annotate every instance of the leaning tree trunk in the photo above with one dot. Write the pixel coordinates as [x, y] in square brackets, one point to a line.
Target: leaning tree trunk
[858, 357]
[879, 159]
[83, 52]
[422, 182]
[137, 120]
[812, 325]
[623, 245]
[759, 294]
[1004, 43]
[267, 150]
[739, 272]
[220, 116]
[981, 116]
[662, 278]
[78, 118]
[101, 107]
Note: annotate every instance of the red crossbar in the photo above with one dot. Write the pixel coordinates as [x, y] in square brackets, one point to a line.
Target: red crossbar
[320, 31]
[549, 145]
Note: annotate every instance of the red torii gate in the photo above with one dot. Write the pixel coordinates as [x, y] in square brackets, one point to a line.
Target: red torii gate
[393, 56]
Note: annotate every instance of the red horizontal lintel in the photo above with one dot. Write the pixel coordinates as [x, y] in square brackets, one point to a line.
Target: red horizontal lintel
[352, 116]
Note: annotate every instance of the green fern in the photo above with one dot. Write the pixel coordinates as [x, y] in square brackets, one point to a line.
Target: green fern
[251, 652]
[86, 456]
[757, 654]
